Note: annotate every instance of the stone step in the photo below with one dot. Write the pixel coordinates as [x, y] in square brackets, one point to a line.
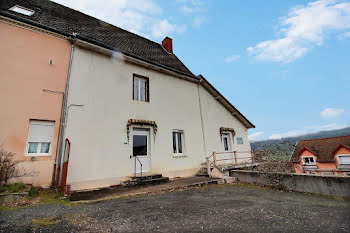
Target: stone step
[148, 181]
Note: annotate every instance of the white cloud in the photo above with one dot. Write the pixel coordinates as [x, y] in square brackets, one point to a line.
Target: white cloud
[307, 130]
[291, 133]
[138, 16]
[198, 21]
[331, 112]
[255, 136]
[164, 28]
[232, 58]
[303, 28]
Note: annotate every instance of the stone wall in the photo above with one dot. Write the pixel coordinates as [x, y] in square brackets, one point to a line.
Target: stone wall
[329, 185]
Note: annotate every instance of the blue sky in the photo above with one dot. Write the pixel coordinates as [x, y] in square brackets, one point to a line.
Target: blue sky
[284, 64]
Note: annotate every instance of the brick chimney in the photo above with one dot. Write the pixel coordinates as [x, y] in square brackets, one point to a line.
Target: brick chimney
[168, 44]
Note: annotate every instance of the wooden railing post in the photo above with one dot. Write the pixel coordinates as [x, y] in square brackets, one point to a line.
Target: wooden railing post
[208, 166]
[235, 156]
[214, 157]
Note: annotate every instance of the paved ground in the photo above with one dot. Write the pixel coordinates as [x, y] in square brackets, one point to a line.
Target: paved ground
[217, 208]
[120, 191]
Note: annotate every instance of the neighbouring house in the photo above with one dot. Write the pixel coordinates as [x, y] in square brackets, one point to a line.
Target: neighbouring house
[324, 156]
[33, 73]
[131, 105]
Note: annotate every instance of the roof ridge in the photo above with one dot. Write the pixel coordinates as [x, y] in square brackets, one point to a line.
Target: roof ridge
[325, 138]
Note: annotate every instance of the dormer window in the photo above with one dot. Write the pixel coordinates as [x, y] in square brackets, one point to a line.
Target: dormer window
[309, 160]
[22, 10]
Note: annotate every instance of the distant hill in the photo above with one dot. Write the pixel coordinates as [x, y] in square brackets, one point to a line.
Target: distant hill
[323, 134]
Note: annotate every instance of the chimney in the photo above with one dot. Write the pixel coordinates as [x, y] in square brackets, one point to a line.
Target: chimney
[168, 44]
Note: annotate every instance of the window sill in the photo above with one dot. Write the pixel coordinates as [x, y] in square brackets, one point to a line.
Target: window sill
[38, 155]
[179, 155]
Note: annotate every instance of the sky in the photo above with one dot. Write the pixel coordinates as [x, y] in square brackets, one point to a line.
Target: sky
[285, 65]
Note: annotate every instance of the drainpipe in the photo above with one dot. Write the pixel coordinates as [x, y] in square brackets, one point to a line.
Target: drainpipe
[63, 119]
[201, 114]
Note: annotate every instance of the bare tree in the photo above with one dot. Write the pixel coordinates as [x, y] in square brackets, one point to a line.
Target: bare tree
[274, 160]
[8, 166]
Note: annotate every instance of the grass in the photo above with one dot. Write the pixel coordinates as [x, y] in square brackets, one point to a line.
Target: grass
[12, 188]
[47, 221]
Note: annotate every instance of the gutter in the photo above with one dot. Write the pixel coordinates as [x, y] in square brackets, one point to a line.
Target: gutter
[201, 115]
[64, 118]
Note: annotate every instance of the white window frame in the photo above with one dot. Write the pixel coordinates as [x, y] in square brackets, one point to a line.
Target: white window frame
[182, 134]
[51, 123]
[344, 155]
[238, 143]
[228, 136]
[138, 97]
[22, 10]
[313, 158]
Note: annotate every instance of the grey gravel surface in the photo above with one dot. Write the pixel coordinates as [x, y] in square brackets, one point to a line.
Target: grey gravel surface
[224, 208]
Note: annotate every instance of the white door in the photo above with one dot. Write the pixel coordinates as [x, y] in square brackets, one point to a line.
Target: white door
[227, 156]
[140, 149]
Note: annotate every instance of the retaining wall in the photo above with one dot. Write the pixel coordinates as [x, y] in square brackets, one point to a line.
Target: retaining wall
[330, 185]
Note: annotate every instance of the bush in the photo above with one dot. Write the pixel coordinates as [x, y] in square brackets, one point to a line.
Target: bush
[34, 191]
[8, 166]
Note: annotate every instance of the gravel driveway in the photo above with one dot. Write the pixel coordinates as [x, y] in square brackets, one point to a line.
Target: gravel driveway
[215, 208]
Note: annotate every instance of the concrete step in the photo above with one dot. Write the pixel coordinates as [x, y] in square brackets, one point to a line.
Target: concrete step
[146, 180]
[145, 177]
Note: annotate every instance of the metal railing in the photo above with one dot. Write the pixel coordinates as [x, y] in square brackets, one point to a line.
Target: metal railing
[136, 158]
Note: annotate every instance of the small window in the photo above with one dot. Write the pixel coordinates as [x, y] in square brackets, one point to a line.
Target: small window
[226, 141]
[239, 140]
[40, 137]
[140, 88]
[344, 159]
[309, 161]
[178, 142]
[22, 10]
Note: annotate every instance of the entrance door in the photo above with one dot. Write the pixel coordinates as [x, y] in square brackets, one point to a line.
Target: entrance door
[141, 150]
[228, 155]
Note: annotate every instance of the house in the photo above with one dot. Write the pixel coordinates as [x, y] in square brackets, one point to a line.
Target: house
[131, 105]
[33, 74]
[324, 156]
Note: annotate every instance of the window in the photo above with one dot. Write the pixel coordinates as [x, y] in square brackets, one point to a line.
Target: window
[140, 88]
[226, 141]
[40, 136]
[239, 140]
[178, 142]
[344, 159]
[22, 10]
[309, 161]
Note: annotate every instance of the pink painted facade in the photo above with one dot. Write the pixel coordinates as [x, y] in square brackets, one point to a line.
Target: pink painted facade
[25, 72]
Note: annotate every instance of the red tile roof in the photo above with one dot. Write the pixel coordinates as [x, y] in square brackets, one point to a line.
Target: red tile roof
[322, 147]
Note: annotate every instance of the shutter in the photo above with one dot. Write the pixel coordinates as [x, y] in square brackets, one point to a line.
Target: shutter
[344, 159]
[41, 131]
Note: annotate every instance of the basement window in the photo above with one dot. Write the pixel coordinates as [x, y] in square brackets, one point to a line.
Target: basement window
[22, 10]
[309, 161]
